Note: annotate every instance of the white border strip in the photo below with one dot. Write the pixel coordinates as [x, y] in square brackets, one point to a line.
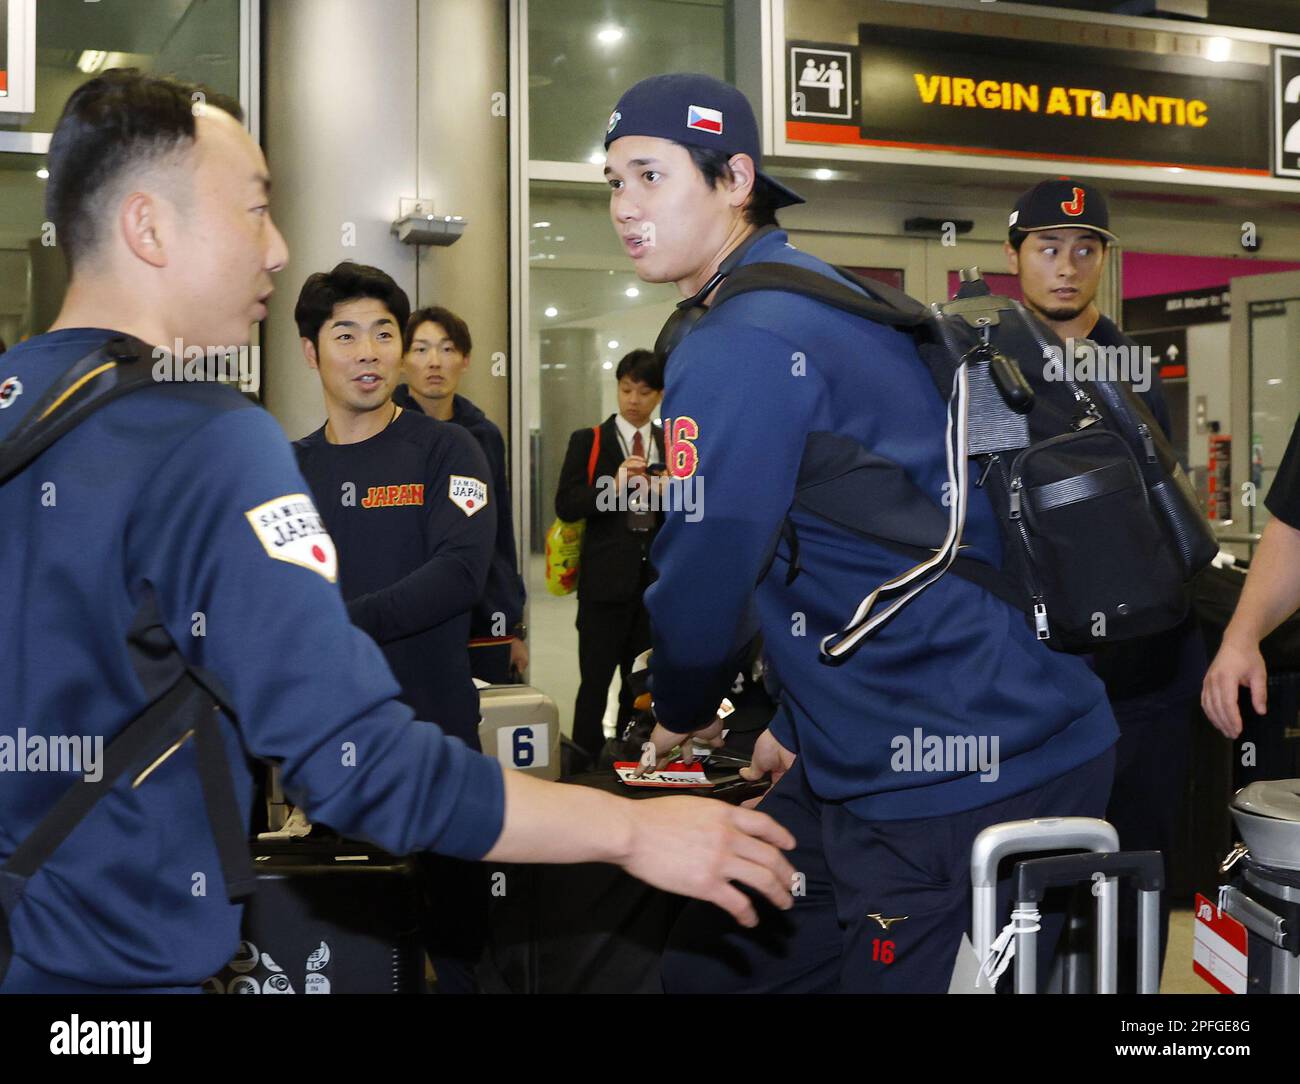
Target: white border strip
[21, 98]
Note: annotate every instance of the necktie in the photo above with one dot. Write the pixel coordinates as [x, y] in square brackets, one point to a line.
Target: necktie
[638, 445]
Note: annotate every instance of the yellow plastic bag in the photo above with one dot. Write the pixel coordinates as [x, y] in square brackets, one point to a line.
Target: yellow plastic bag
[563, 548]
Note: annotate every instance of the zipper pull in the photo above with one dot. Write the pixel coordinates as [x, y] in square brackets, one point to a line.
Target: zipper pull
[1016, 486]
[1144, 431]
[1040, 618]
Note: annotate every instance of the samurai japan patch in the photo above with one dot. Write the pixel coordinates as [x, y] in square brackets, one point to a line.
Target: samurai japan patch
[290, 529]
[468, 494]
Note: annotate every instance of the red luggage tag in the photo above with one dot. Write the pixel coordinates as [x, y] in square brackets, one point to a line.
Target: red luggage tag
[1219, 950]
[676, 776]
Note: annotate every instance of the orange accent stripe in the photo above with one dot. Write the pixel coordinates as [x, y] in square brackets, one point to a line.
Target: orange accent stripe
[89, 376]
[803, 131]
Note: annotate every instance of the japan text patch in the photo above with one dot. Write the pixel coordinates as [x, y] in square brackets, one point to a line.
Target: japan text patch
[467, 494]
[290, 529]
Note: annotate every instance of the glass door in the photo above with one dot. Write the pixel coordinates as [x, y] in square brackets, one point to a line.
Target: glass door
[1265, 395]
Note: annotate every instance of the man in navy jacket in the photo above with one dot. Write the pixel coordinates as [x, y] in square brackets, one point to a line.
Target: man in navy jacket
[884, 830]
[1058, 241]
[437, 347]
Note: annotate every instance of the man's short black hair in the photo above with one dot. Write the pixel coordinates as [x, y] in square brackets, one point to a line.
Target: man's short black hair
[643, 366]
[762, 206]
[347, 282]
[456, 328]
[119, 121]
[1017, 238]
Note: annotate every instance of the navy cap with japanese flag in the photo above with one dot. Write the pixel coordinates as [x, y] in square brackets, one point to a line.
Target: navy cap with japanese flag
[1059, 204]
[696, 111]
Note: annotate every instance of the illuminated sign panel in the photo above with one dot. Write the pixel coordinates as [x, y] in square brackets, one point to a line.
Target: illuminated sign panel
[925, 89]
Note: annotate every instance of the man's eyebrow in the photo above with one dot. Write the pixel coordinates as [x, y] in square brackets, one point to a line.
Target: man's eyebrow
[635, 162]
[354, 323]
[263, 181]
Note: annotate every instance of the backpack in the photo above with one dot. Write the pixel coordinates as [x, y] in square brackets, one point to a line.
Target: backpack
[188, 708]
[564, 539]
[1100, 528]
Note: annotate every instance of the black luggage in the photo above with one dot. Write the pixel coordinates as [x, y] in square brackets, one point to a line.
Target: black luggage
[586, 929]
[328, 917]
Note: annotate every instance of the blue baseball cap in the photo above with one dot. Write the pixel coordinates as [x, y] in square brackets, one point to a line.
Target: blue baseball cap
[696, 111]
[1061, 203]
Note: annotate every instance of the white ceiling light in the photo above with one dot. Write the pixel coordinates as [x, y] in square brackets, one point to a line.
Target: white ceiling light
[91, 60]
[596, 158]
[612, 344]
[540, 225]
[608, 365]
[610, 35]
[632, 291]
[1218, 49]
[823, 174]
[43, 173]
[551, 312]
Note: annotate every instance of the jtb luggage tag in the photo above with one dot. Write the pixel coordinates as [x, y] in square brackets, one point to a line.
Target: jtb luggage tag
[675, 775]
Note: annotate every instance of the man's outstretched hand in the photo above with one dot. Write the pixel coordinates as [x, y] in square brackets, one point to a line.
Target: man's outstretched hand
[699, 846]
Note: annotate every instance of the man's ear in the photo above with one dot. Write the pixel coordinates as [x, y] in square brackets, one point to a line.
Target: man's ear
[309, 352]
[743, 176]
[139, 224]
[1013, 257]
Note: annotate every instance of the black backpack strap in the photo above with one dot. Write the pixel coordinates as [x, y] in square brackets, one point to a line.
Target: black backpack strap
[882, 304]
[187, 707]
[118, 367]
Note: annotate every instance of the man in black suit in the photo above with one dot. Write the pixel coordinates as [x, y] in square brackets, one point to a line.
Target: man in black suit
[614, 569]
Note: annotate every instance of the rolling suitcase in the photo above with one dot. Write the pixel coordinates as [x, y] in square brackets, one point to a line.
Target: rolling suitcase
[329, 917]
[521, 728]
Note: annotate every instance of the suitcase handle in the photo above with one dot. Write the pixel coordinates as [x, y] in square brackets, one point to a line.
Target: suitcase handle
[998, 841]
[1036, 875]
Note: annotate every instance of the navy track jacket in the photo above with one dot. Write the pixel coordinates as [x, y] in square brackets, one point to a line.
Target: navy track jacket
[744, 392]
[183, 507]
